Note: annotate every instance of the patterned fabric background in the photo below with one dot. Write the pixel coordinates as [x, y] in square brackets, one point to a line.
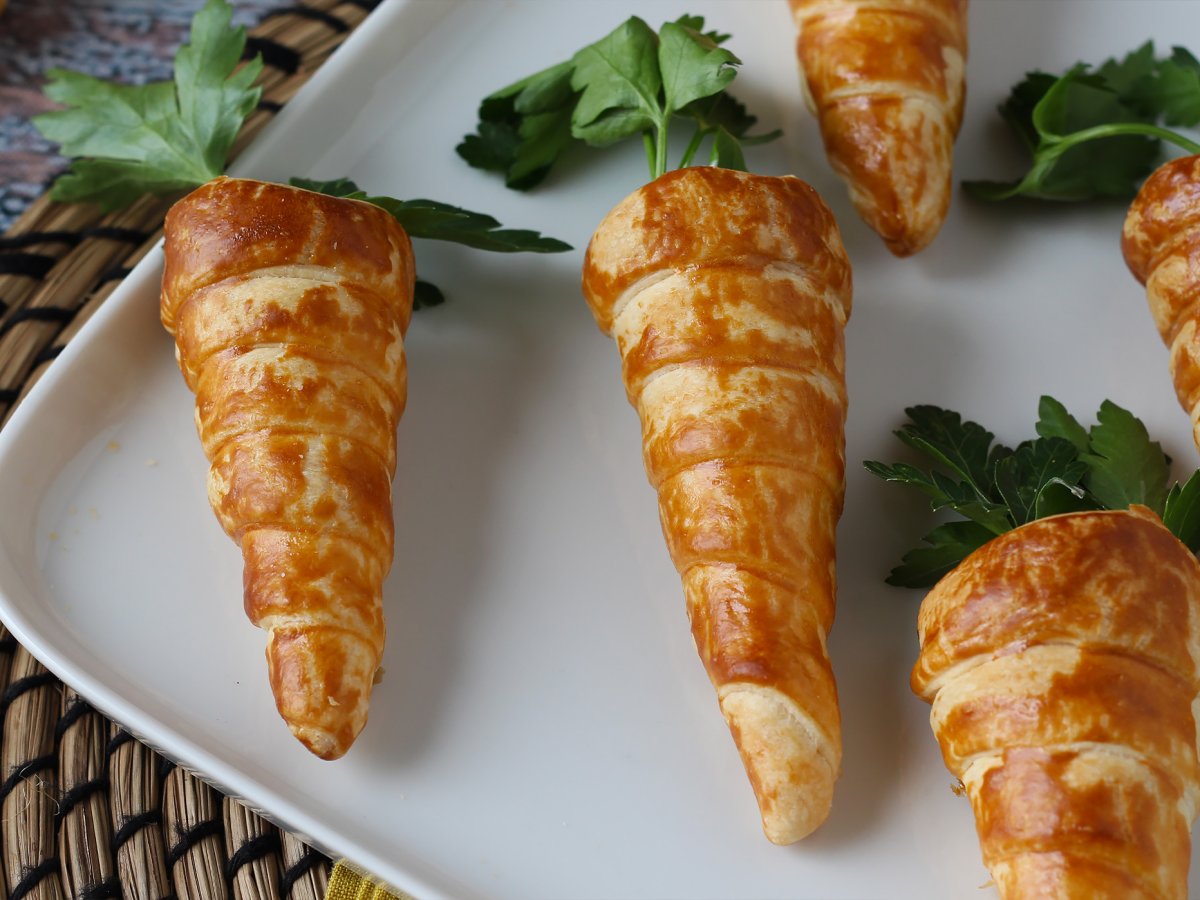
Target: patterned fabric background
[131, 41]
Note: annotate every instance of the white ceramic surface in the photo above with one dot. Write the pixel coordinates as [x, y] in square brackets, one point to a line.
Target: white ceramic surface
[544, 729]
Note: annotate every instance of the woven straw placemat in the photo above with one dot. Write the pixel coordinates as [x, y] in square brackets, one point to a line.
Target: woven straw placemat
[86, 811]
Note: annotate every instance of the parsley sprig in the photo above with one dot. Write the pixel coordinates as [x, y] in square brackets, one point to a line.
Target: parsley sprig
[172, 136]
[1067, 468]
[437, 221]
[131, 140]
[1098, 132]
[634, 81]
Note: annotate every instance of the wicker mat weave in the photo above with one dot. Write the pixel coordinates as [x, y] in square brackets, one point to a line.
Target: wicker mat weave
[86, 811]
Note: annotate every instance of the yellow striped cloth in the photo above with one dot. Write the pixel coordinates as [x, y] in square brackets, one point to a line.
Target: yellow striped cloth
[350, 883]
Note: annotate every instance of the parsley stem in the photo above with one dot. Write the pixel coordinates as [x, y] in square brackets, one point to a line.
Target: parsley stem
[660, 146]
[692, 147]
[1114, 130]
[648, 143]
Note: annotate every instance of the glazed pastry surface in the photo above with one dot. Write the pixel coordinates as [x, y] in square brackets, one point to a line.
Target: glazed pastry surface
[886, 81]
[1062, 662]
[289, 310]
[727, 294]
[1161, 243]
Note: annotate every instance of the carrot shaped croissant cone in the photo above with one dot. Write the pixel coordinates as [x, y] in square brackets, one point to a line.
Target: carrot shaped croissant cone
[727, 294]
[1161, 243]
[1061, 662]
[289, 310]
[885, 79]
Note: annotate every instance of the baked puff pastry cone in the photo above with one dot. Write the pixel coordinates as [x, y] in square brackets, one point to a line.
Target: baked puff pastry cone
[1062, 661]
[289, 310]
[886, 81]
[727, 294]
[1161, 244]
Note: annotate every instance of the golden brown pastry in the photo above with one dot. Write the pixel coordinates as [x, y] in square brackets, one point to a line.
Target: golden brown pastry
[886, 81]
[1161, 243]
[1061, 662]
[289, 310]
[727, 294]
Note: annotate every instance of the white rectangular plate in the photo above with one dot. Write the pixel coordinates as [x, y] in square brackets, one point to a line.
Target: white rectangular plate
[545, 728]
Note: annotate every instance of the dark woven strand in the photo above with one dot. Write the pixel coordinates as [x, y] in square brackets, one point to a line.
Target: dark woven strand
[105, 890]
[116, 273]
[48, 353]
[72, 238]
[307, 12]
[293, 873]
[189, 838]
[79, 793]
[24, 770]
[57, 314]
[112, 233]
[33, 876]
[8, 644]
[24, 686]
[17, 241]
[131, 825]
[35, 265]
[119, 739]
[76, 710]
[276, 55]
[252, 851]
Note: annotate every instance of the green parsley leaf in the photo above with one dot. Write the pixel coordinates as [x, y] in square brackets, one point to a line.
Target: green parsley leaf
[426, 294]
[963, 447]
[724, 111]
[158, 138]
[1069, 169]
[949, 545]
[726, 151]
[1172, 90]
[693, 66]
[696, 23]
[335, 187]
[439, 221]
[1125, 466]
[443, 222]
[496, 147]
[1130, 78]
[1181, 512]
[1038, 476]
[1055, 421]
[1017, 109]
[1096, 133]
[632, 82]
[946, 492]
[524, 127]
[1065, 469]
[1179, 89]
[618, 78]
[1060, 496]
[728, 123]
